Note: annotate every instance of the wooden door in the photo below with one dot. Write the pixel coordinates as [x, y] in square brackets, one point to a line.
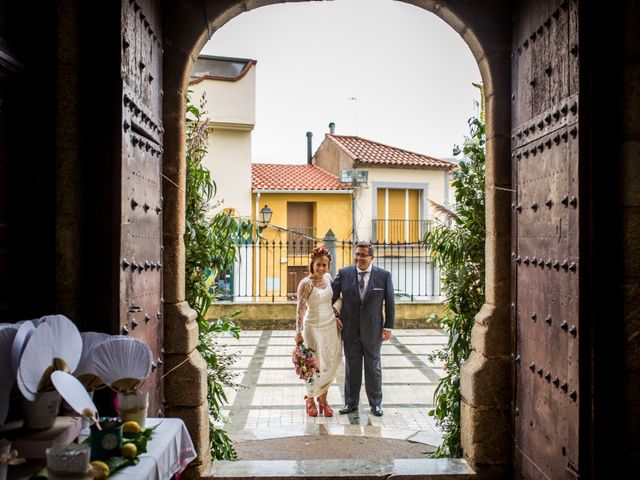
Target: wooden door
[546, 240]
[140, 269]
[300, 226]
[294, 277]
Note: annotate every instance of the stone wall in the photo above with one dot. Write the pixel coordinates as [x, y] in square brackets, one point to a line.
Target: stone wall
[281, 316]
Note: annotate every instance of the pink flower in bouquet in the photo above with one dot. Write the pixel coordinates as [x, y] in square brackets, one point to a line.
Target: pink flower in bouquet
[305, 363]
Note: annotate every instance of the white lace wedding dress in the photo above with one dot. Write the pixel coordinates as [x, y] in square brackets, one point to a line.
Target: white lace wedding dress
[320, 331]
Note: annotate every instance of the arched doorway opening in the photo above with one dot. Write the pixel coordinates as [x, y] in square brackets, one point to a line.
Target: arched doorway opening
[485, 418]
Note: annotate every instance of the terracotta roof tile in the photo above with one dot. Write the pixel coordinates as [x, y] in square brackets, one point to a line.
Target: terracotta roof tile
[268, 176]
[367, 152]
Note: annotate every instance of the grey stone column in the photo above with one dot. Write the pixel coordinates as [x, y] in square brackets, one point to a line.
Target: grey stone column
[331, 243]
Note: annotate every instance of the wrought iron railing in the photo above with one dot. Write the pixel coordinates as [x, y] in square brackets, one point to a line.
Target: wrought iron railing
[398, 231]
[302, 238]
[270, 271]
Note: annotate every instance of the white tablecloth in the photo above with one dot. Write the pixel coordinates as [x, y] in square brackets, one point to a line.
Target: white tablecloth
[169, 451]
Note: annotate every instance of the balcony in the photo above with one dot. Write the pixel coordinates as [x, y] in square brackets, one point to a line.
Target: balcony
[300, 240]
[398, 231]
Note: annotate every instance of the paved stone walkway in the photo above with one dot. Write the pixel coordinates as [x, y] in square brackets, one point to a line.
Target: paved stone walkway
[270, 406]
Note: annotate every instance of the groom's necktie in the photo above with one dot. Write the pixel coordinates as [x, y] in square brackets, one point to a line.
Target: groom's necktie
[361, 283]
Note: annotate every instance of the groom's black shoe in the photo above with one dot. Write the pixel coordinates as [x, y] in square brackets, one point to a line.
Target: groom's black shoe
[377, 411]
[348, 409]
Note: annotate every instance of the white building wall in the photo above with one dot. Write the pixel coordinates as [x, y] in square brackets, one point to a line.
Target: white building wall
[229, 102]
[230, 109]
[414, 277]
[229, 161]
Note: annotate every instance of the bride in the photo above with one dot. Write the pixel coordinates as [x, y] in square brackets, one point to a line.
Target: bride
[321, 329]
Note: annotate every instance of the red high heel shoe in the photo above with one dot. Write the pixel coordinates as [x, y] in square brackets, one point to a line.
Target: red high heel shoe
[325, 408]
[312, 411]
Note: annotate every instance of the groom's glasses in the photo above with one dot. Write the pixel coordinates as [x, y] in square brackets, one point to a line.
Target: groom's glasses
[362, 255]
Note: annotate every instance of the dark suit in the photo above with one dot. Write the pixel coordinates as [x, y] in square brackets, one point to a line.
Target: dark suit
[362, 324]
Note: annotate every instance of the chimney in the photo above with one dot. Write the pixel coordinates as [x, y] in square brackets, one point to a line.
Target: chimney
[309, 154]
[332, 128]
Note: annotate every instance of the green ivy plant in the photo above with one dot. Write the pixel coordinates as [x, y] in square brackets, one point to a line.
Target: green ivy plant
[457, 246]
[209, 248]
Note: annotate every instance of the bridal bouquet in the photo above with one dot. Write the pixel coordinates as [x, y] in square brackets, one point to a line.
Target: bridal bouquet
[305, 362]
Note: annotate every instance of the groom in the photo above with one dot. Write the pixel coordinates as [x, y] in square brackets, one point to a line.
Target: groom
[364, 289]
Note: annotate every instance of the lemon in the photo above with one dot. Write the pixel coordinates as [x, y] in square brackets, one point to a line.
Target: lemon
[129, 450]
[131, 427]
[99, 469]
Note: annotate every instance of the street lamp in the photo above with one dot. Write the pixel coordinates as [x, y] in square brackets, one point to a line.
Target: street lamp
[265, 217]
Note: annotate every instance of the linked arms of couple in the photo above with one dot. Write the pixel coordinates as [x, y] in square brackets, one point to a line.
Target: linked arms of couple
[386, 286]
[304, 290]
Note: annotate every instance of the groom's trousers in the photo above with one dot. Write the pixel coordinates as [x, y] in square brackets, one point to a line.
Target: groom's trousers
[355, 352]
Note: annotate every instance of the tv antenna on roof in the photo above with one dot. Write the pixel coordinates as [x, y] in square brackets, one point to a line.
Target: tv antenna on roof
[355, 109]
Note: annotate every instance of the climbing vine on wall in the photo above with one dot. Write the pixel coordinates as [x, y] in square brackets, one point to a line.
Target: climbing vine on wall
[457, 246]
[209, 248]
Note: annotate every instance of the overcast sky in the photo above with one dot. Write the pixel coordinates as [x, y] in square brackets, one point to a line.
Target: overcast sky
[381, 69]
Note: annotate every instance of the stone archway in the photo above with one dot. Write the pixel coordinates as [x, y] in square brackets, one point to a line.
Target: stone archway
[486, 384]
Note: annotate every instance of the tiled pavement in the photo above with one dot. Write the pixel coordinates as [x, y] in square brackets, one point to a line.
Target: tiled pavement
[270, 404]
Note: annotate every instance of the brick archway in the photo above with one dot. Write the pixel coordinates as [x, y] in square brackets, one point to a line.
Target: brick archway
[486, 384]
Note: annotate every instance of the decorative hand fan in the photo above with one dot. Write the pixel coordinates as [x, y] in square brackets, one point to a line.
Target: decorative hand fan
[37, 321]
[55, 345]
[123, 363]
[75, 395]
[7, 375]
[36, 359]
[85, 371]
[67, 338]
[25, 331]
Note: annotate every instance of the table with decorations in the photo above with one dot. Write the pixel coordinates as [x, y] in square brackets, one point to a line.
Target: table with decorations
[50, 426]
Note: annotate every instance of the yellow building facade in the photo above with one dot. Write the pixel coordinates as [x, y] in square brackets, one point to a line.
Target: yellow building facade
[306, 204]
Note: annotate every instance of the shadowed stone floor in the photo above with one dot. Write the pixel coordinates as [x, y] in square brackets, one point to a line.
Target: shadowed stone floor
[319, 447]
[275, 439]
[267, 420]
